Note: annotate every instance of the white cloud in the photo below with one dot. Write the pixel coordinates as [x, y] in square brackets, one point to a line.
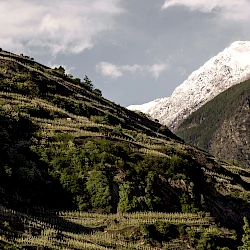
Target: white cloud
[58, 26]
[108, 69]
[228, 9]
[132, 68]
[157, 69]
[114, 71]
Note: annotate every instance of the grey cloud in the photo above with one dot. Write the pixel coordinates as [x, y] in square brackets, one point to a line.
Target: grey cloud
[57, 26]
[228, 9]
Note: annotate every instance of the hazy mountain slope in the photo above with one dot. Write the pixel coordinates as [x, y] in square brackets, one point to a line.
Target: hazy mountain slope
[222, 126]
[228, 68]
[65, 147]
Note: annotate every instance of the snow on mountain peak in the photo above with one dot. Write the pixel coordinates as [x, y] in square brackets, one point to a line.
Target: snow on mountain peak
[228, 68]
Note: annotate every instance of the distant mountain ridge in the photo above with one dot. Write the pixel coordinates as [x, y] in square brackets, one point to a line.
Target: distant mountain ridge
[222, 126]
[229, 67]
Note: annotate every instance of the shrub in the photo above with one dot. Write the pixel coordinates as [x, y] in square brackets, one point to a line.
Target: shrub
[159, 231]
[98, 92]
[117, 130]
[246, 236]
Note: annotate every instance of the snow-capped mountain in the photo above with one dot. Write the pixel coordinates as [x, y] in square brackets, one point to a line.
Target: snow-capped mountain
[228, 68]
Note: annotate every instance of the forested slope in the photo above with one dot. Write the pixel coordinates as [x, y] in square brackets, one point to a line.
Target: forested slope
[222, 126]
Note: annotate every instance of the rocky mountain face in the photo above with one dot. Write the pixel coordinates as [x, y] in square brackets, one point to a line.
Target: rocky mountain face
[222, 126]
[228, 68]
[232, 139]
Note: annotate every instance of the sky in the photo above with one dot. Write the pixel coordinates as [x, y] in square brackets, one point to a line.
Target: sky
[134, 51]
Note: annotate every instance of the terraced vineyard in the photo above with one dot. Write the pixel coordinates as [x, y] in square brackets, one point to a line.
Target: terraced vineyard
[81, 230]
[131, 182]
[78, 126]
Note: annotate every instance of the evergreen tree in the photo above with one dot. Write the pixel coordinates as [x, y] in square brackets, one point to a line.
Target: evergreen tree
[152, 200]
[98, 188]
[88, 83]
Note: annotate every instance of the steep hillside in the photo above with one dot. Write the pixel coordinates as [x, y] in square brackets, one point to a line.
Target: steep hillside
[222, 126]
[226, 69]
[64, 147]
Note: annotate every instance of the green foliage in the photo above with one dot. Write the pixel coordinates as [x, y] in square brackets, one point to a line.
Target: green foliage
[166, 230]
[206, 238]
[117, 130]
[87, 83]
[159, 231]
[6, 225]
[60, 70]
[98, 92]
[21, 84]
[99, 119]
[128, 202]
[8, 247]
[209, 241]
[142, 138]
[152, 199]
[246, 236]
[98, 188]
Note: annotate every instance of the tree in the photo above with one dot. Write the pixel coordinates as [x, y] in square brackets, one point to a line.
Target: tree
[127, 201]
[99, 191]
[88, 83]
[98, 92]
[152, 189]
[77, 80]
[61, 70]
[246, 236]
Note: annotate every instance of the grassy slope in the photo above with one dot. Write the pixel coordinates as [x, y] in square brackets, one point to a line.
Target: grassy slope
[72, 131]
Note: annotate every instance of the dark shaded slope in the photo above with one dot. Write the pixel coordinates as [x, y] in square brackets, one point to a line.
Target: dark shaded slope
[222, 126]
